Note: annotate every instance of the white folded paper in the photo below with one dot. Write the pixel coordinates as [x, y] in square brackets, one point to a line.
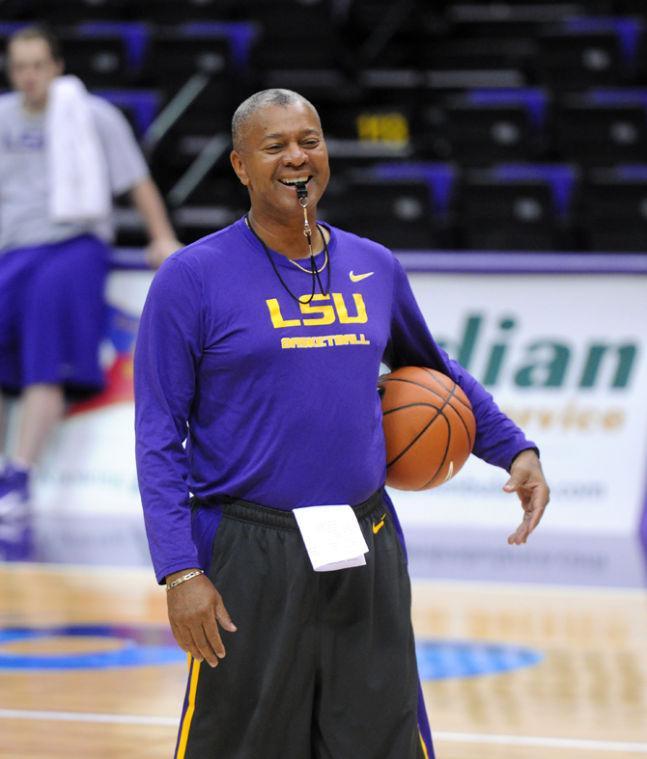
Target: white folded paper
[332, 537]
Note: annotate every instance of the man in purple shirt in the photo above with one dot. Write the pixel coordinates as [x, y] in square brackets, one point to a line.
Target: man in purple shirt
[256, 393]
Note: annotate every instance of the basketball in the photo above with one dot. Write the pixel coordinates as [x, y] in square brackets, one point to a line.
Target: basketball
[429, 427]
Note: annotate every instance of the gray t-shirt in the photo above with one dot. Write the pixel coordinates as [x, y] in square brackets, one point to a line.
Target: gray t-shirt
[24, 188]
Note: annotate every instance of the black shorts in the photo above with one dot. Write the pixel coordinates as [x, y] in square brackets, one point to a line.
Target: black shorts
[323, 663]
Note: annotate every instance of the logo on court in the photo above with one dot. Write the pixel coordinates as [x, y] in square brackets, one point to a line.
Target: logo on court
[137, 646]
[441, 660]
[359, 277]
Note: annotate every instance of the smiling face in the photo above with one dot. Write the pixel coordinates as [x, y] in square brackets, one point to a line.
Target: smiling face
[281, 145]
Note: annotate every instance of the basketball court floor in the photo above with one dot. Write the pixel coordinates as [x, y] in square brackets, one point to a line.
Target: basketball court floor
[511, 669]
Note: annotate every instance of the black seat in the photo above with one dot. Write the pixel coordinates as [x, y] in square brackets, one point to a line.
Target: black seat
[481, 53]
[576, 61]
[64, 12]
[506, 20]
[513, 208]
[293, 35]
[396, 213]
[172, 13]
[613, 209]
[100, 60]
[599, 129]
[486, 126]
[174, 56]
[385, 35]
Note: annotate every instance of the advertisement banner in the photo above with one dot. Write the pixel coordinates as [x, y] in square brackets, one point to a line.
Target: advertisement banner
[565, 357]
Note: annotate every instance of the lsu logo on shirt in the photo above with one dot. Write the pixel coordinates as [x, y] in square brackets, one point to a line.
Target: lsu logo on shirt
[322, 310]
[316, 312]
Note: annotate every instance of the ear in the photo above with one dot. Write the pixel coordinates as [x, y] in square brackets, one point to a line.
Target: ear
[239, 167]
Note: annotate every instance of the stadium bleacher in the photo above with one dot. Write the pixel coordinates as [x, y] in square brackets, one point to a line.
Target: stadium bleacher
[476, 125]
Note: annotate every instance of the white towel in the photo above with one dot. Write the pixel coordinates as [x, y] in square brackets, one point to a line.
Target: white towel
[77, 170]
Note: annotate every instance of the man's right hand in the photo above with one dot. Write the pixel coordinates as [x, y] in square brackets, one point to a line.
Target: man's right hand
[194, 607]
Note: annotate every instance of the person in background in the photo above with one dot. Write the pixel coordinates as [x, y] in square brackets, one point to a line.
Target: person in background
[63, 154]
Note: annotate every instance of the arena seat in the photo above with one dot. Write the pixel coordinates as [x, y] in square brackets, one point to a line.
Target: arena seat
[211, 49]
[474, 20]
[400, 209]
[517, 207]
[513, 101]
[613, 209]
[571, 60]
[170, 13]
[294, 35]
[486, 126]
[64, 12]
[602, 127]
[100, 60]
[481, 53]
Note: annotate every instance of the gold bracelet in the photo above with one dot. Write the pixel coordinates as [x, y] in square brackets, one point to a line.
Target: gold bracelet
[184, 578]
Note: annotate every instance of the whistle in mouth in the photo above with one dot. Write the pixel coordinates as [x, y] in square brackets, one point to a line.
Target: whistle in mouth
[302, 193]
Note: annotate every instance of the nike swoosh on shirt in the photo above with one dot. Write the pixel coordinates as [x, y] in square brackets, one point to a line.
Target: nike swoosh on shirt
[359, 277]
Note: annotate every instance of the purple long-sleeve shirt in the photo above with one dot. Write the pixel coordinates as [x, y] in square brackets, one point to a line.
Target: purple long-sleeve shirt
[241, 391]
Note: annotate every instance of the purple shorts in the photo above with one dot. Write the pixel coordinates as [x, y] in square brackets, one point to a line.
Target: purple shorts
[52, 314]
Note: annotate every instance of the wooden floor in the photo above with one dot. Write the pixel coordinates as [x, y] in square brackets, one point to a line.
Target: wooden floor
[586, 698]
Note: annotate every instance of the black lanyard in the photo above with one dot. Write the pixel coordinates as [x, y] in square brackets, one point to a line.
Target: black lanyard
[313, 267]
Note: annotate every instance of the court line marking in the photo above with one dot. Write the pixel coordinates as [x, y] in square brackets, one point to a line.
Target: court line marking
[509, 740]
[115, 719]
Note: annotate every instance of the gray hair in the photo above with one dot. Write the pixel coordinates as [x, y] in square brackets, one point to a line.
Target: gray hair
[258, 100]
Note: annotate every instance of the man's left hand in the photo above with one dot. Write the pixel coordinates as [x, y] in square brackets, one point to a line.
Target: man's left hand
[528, 482]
